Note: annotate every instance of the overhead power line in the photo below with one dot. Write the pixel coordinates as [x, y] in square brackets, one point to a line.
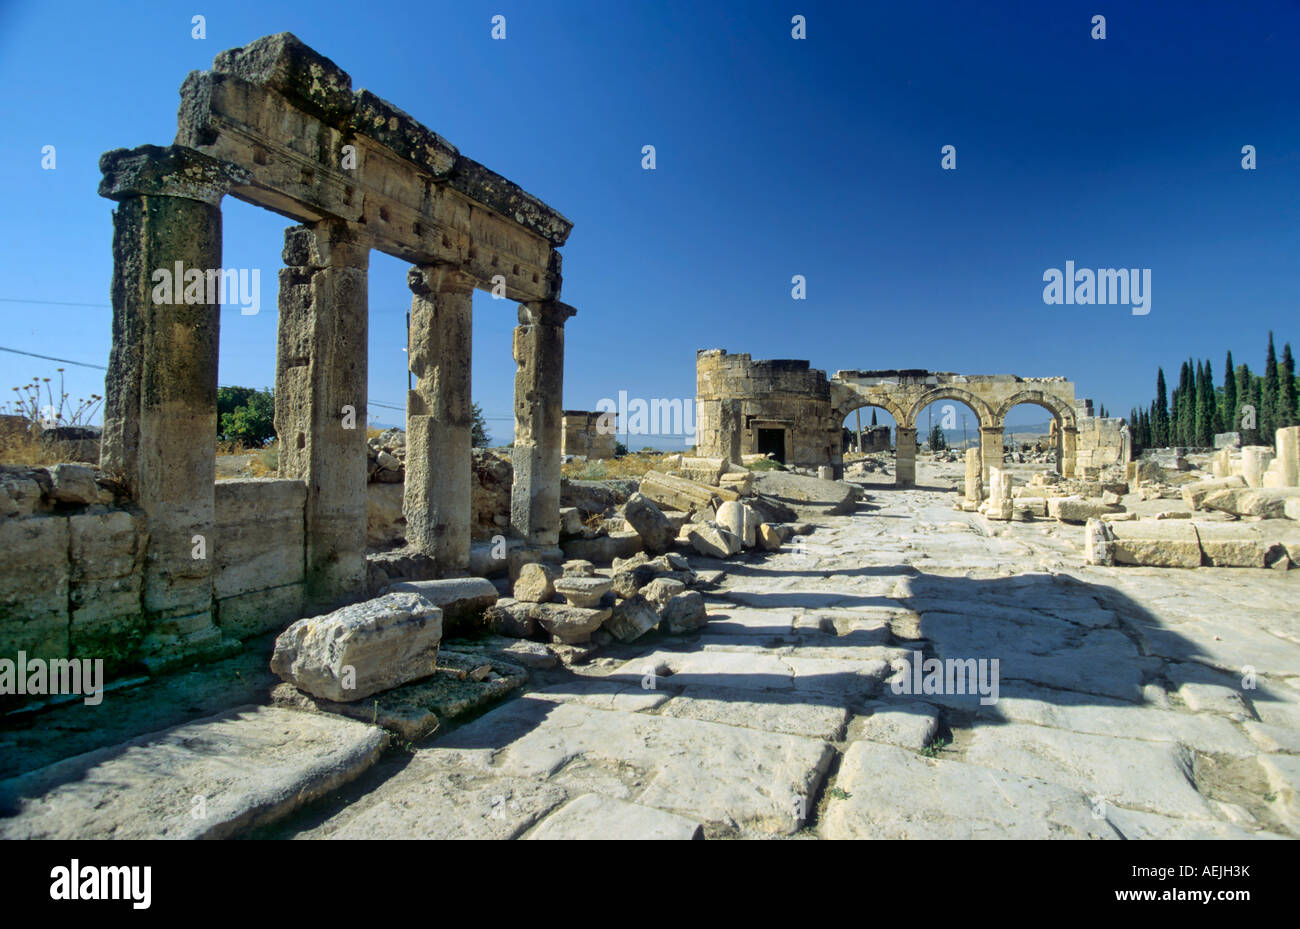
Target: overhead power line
[66, 361]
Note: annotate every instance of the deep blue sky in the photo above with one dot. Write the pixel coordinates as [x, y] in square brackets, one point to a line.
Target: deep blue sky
[776, 157]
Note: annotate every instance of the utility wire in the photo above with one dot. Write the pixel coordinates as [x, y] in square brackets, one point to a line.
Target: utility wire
[66, 361]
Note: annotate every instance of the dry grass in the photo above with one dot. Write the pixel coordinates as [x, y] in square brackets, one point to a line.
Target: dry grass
[632, 465]
[19, 447]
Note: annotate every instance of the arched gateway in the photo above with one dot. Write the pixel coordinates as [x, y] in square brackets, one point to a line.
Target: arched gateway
[746, 406]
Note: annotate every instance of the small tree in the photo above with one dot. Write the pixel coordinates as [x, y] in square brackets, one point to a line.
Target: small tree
[478, 434]
[250, 415]
[937, 440]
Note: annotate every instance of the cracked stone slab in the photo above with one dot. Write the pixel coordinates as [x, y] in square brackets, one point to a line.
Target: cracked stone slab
[593, 816]
[765, 712]
[1135, 824]
[432, 800]
[1154, 777]
[728, 778]
[250, 765]
[1063, 709]
[907, 724]
[886, 792]
[604, 695]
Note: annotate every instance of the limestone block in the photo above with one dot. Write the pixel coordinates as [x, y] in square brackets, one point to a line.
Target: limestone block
[1233, 545]
[106, 578]
[1255, 460]
[1288, 455]
[684, 612]
[244, 616]
[585, 592]
[769, 539]
[1165, 544]
[1248, 501]
[34, 581]
[1077, 509]
[463, 600]
[713, 541]
[511, 618]
[259, 541]
[571, 625]
[73, 483]
[656, 531]
[631, 619]
[1194, 494]
[385, 522]
[536, 582]
[361, 649]
[681, 494]
[661, 590]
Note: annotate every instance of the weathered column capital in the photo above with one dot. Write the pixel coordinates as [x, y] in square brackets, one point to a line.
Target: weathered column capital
[545, 313]
[998, 430]
[424, 280]
[174, 171]
[326, 244]
[1070, 430]
[906, 429]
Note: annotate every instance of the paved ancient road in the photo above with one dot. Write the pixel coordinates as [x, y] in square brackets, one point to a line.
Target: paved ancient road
[1120, 709]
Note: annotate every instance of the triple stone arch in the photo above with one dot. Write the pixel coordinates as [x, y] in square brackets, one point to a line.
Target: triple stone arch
[905, 403]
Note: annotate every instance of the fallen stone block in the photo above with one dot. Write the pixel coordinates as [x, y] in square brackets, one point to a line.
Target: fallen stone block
[659, 591]
[73, 483]
[571, 625]
[1194, 494]
[769, 538]
[463, 600]
[510, 617]
[656, 531]
[1077, 509]
[809, 497]
[1264, 503]
[631, 619]
[713, 541]
[684, 613]
[1166, 544]
[361, 649]
[536, 582]
[1233, 545]
[678, 493]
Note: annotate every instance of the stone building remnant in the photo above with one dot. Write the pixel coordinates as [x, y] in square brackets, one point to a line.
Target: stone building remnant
[796, 413]
[590, 435]
[277, 124]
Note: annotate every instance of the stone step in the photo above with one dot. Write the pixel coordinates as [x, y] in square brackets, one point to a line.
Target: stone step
[210, 778]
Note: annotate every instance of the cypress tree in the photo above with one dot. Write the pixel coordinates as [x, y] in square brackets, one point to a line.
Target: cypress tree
[1228, 412]
[1160, 413]
[1287, 414]
[1204, 399]
[1268, 396]
[1186, 406]
[1243, 394]
[1257, 401]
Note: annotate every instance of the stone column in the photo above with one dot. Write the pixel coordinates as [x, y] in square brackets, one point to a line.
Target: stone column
[1069, 450]
[1288, 453]
[160, 410]
[539, 398]
[974, 477]
[905, 456]
[439, 417]
[990, 449]
[320, 401]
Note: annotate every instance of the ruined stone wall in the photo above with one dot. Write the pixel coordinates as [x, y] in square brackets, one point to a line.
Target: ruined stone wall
[72, 571]
[737, 396]
[1102, 443]
[582, 437]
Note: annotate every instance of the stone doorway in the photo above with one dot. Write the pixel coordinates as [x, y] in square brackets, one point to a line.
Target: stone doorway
[772, 442]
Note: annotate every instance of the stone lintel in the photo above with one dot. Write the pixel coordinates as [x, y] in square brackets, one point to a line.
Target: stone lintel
[171, 171]
[545, 313]
[314, 84]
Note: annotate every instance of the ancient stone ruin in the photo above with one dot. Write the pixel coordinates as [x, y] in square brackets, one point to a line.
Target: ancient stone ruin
[794, 413]
[276, 124]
